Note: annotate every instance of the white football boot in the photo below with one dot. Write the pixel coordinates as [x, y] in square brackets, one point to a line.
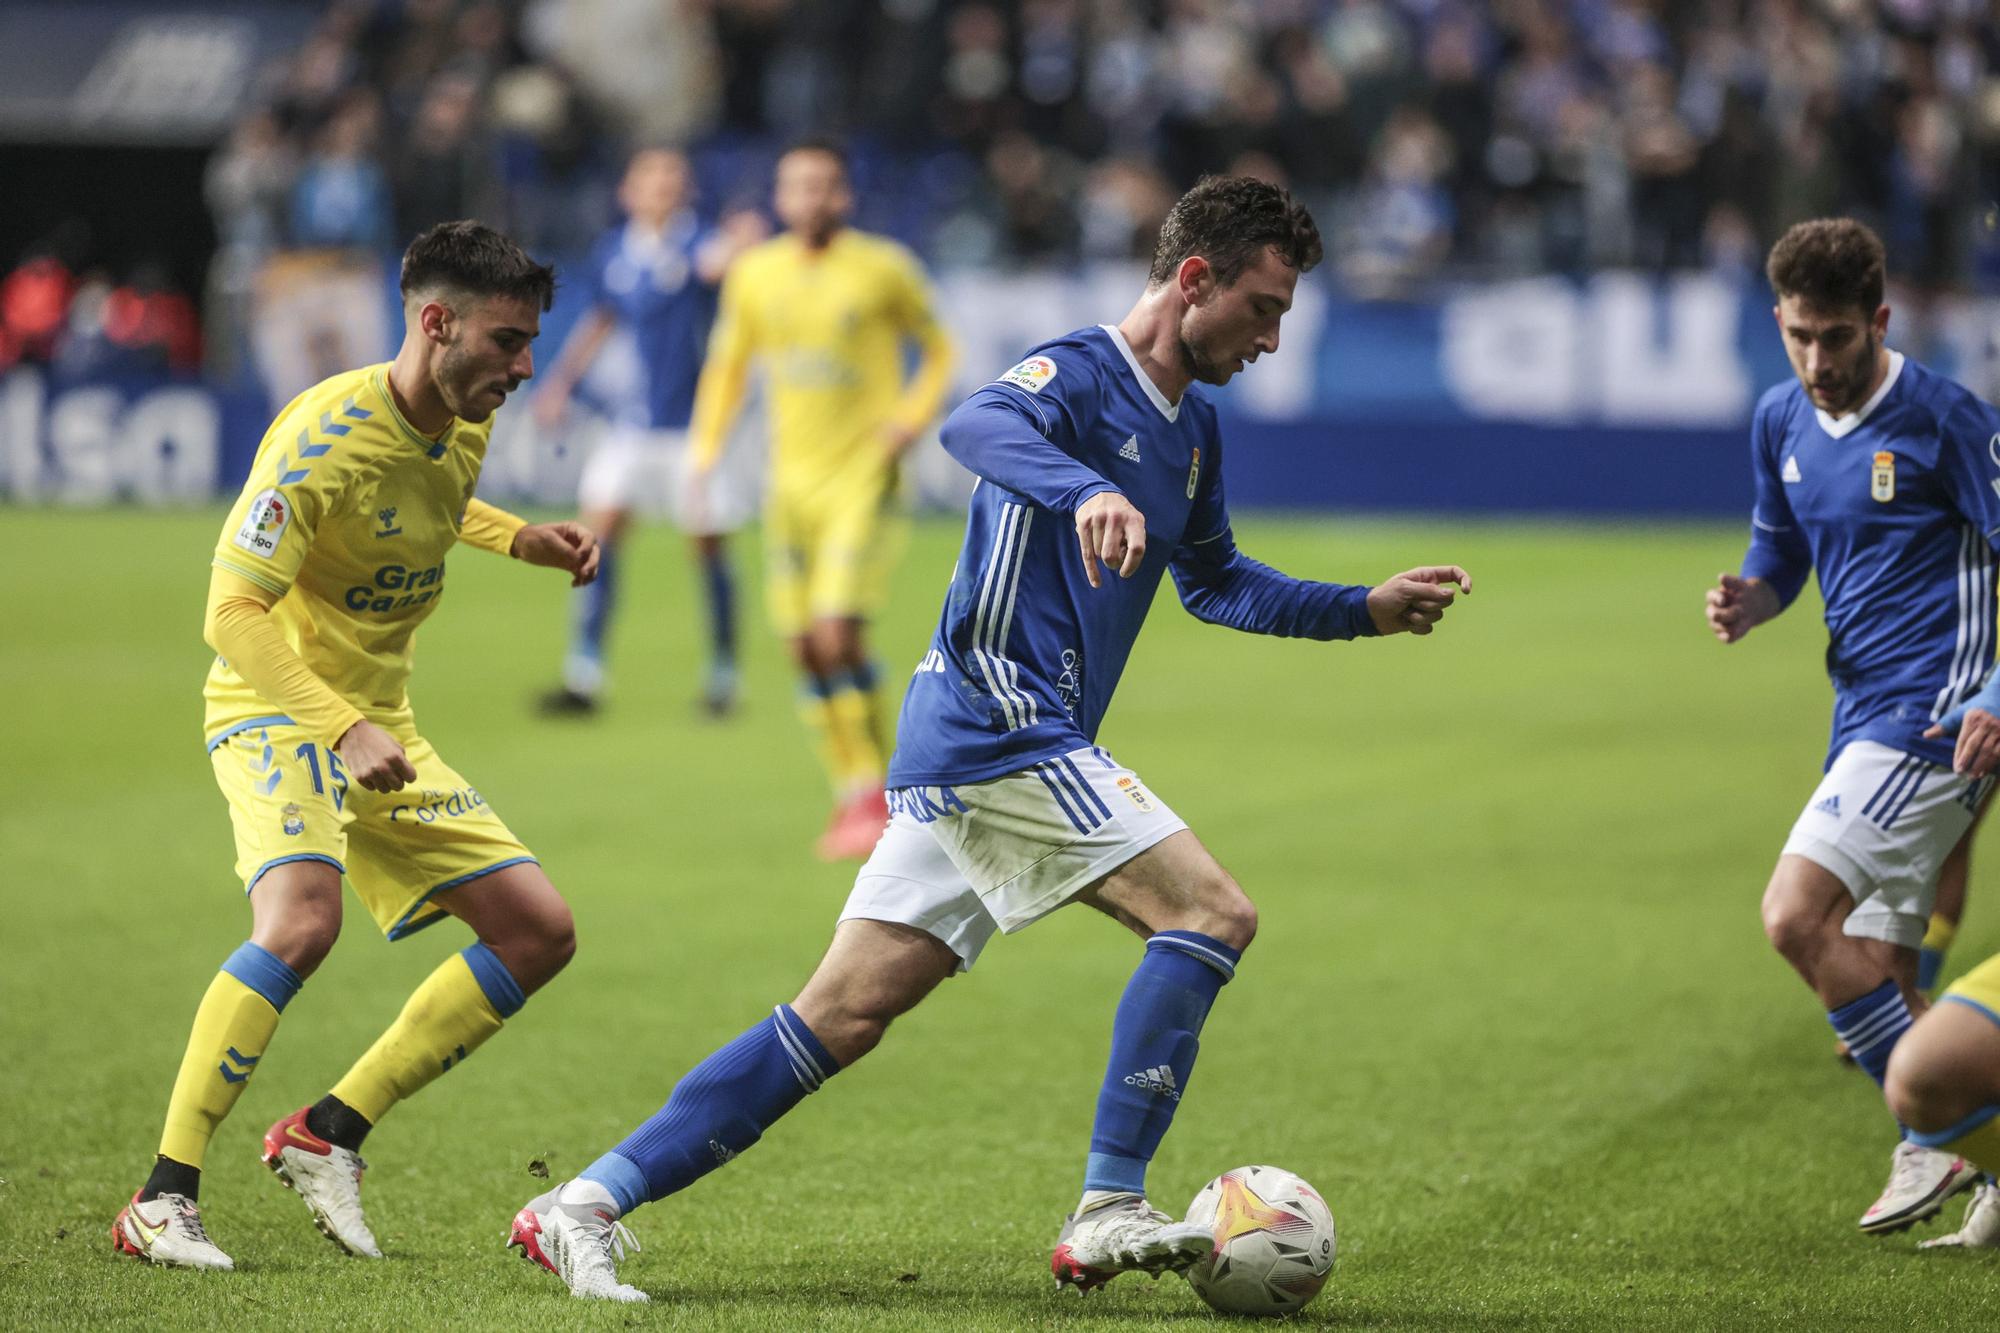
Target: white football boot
[327, 1177]
[1124, 1234]
[1920, 1180]
[1981, 1228]
[580, 1241]
[167, 1230]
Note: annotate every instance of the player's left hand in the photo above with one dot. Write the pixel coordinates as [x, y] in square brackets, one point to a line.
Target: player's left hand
[1415, 600]
[569, 546]
[1978, 732]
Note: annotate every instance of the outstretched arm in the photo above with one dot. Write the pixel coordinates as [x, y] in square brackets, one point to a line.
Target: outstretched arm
[1221, 585]
[998, 438]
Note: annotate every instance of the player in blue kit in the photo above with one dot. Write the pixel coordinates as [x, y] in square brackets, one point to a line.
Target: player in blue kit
[1883, 478]
[1100, 471]
[654, 279]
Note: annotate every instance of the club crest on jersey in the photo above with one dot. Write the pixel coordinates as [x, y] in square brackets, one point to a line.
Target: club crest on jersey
[1883, 484]
[1032, 374]
[295, 820]
[264, 526]
[1194, 471]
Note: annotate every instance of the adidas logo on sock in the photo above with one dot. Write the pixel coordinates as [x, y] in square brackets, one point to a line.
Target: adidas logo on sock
[1159, 1079]
[1131, 449]
[1830, 806]
[723, 1155]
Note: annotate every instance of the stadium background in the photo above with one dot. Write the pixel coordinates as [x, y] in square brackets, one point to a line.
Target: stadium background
[1508, 874]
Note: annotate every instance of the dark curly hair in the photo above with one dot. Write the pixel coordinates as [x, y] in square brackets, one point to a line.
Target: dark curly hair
[1830, 264]
[1229, 221]
[472, 258]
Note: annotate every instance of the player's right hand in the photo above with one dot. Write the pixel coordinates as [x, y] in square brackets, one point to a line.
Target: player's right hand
[374, 758]
[1737, 605]
[1110, 528]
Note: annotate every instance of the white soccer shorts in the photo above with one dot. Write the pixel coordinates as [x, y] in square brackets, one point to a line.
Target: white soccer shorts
[646, 471]
[1883, 821]
[962, 862]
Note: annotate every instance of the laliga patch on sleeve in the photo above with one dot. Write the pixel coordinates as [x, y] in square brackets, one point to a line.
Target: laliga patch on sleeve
[270, 514]
[1032, 374]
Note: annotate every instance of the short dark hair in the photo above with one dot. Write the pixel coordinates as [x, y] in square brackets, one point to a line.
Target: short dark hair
[1230, 221]
[1829, 263]
[820, 143]
[472, 258]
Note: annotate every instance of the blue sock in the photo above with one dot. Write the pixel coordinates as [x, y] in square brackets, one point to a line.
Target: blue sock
[1871, 1026]
[1930, 962]
[1153, 1043]
[594, 605]
[719, 583]
[722, 1107]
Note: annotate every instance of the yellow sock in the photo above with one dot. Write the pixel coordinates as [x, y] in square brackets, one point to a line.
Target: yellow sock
[829, 738]
[456, 1008]
[1941, 932]
[1981, 1146]
[232, 1028]
[853, 707]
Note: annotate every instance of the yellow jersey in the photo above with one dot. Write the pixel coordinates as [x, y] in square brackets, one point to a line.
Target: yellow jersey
[829, 328]
[346, 518]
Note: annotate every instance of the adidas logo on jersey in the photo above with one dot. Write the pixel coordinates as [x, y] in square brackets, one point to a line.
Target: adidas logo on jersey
[1131, 449]
[1791, 472]
[1159, 1079]
[1830, 806]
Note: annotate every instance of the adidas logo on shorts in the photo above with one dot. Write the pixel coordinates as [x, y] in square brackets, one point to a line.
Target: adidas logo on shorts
[1830, 806]
[1159, 1079]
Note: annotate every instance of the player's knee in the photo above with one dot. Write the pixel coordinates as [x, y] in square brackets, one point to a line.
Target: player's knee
[1791, 930]
[303, 936]
[555, 937]
[1917, 1092]
[1228, 914]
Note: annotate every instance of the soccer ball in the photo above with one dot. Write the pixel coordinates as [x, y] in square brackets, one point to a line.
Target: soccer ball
[1273, 1242]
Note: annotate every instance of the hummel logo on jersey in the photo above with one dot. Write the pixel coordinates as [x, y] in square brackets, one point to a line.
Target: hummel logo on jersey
[1131, 449]
[1159, 1079]
[389, 528]
[1830, 806]
[1791, 472]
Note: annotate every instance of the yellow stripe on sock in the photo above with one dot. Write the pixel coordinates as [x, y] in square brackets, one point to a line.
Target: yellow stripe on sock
[445, 1020]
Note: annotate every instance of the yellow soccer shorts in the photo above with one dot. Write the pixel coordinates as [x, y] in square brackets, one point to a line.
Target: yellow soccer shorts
[1979, 988]
[290, 800]
[829, 554]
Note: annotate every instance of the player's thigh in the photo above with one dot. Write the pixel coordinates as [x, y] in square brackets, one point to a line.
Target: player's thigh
[1030, 841]
[1947, 1066]
[630, 470]
[788, 536]
[287, 798]
[407, 848]
[1882, 822]
[910, 883]
[1176, 885]
[518, 913]
[859, 541]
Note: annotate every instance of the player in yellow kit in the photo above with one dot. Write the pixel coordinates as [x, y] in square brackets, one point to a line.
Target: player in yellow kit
[333, 555]
[828, 311]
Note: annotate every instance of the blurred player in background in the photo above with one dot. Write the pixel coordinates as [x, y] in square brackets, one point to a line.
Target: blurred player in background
[332, 557]
[653, 278]
[1100, 470]
[828, 312]
[1877, 474]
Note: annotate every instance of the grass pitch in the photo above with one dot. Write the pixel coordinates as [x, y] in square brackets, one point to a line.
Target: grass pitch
[1511, 1010]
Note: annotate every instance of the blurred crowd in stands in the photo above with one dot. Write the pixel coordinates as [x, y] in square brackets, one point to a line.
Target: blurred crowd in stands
[1433, 138]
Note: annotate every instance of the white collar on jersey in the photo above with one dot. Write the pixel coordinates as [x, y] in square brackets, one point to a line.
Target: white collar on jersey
[1171, 411]
[1843, 427]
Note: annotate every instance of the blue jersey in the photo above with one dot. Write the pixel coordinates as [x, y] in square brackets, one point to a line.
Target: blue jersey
[1896, 507]
[1027, 654]
[649, 283]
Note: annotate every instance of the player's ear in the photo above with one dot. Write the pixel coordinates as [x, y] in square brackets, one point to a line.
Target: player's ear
[436, 319]
[1881, 321]
[1196, 279]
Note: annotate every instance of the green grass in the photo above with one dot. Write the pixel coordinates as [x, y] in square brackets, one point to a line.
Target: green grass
[1511, 1009]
